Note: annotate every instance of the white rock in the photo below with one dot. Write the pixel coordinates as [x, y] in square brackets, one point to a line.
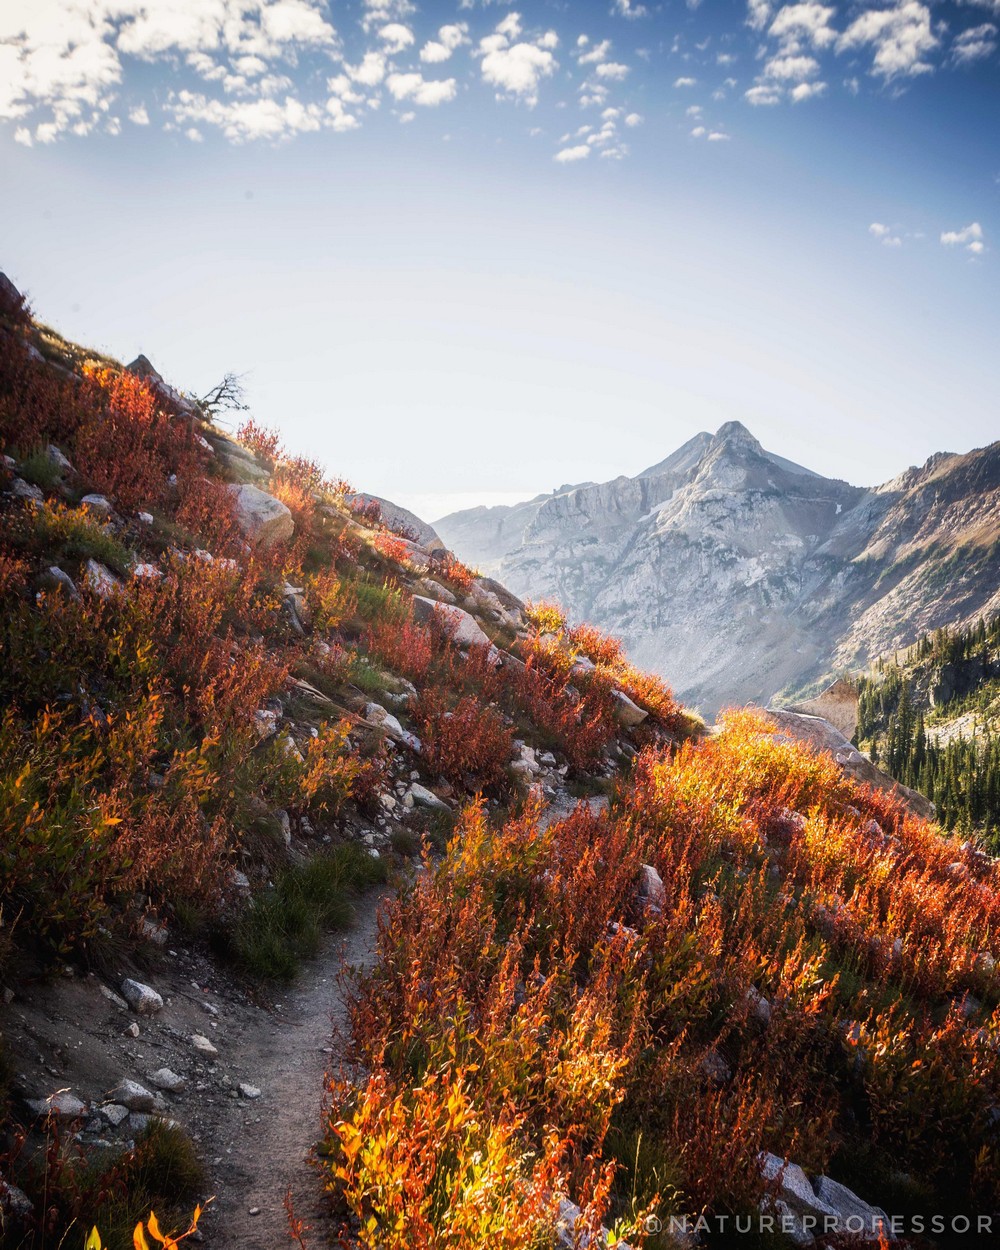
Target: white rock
[147, 572]
[27, 490]
[867, 1219]
[143, 1000]
[96, 504]
[56, 457]
[62, 1105]
[203, 1046]
[112, 997]
[424, 798]
[132, 1095]
[100, 579]
[164, 1078]
[114, 1113]
[464, 628]
[145, 517]
[262, 518]
[249, 1091]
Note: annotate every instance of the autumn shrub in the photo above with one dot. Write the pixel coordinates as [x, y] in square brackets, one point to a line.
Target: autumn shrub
[547, 618]
[468, 744]
[262, 440]
[446, 568]
[391, 547]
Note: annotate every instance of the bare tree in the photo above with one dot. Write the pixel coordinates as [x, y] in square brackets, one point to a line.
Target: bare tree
[228, 396]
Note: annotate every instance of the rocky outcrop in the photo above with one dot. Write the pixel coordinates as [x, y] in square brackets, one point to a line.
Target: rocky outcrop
[822, 736]
[262, 518]
[172, 398]
[402, 520]
[737, 574]
[838, 704]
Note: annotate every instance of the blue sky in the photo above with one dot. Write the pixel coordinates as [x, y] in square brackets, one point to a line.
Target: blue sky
[470, 251]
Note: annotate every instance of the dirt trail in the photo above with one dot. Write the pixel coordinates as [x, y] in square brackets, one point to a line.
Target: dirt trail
[257, 1151]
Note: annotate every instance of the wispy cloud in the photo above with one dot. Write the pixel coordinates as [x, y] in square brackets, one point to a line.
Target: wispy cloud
[969, 237]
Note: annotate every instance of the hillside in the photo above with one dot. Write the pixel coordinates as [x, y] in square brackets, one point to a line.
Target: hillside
[740, 574]
[930, 716]
[732, 983]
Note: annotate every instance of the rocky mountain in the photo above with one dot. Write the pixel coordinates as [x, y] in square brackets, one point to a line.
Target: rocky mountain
[741, 574]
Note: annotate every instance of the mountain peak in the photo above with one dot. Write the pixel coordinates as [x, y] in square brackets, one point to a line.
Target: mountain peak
[734, 432]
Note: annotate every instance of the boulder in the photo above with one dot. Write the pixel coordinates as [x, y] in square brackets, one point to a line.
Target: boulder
[27, 490]
[466, 630]
[838, 704]
[14, 1202]
[164, 1078]
[97, 504]
[56, 579]
[100, 579]
[809, 1209]
[652, 892]
[203, 1046]
[818, 733]
[262, 518]
[143, 1000]
[132, 1095]
[58, 460]
[425, 798]
[114, 1113]
[401, 520]
[855, 1213]
[141, 367]
[60, 1106]
[627, 713]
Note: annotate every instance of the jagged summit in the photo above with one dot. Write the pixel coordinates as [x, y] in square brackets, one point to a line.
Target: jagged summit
[740, 573]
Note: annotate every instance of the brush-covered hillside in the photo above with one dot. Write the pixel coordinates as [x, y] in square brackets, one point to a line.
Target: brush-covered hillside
[730, 997]
[930, 717]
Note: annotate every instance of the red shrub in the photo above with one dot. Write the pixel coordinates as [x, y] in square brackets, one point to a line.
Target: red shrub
[469, 743]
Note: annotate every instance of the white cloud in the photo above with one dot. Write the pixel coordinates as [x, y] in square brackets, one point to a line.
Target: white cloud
[449, 38]
[396, 37]
[370, 72]
[612, 70]
[138, 116]
[423, 91]
[758, 12]
[791, 68]
[597, 53]
[885, 234]
[763, 94]
[901, 37]
[803, 25]
[628, 8]
[633, 119]
[698, 132]
[974, 44]
[685, 82]
[718, 136]
[969, 237]
[567, 155]
[246, 120]
[807, 91]
[517, 69]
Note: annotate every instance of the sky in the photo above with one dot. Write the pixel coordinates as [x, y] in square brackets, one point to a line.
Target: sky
[469, 251]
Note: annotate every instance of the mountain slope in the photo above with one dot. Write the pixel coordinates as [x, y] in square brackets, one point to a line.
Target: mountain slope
[742, 574]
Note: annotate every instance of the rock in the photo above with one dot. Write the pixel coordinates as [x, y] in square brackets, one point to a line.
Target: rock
[627, 713]
[570, 1237]
[164, 1078]
[132, 1095]
[826, 1207]
[14, 1202]
[434, 590]
[58, 460]
[855, 1214]
[147, 572]
[400, 519]
[249, 1091]
[759, 1005]
[27, 490]
[715, 1068]
[114, 1113]
[132, 1030]
[57, 579]
[424, 798]
[145, 517]
[464, 628]
[203, 1046]
[377, 715]
[141, 367]
[62, 1105]
[154, 931]
[262, 518]
[818, 733]
[96, 504]
[240, 880]
[838, 704]
[100, 579]
[652, 892]
[112, 997]
[143, 1000]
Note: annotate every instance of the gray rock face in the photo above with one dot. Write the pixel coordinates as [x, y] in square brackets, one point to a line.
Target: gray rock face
[838, 704]
[735, 574]
[401, 519]
[822, 736]
[143, 368]
[809, 1209]
[262, 518]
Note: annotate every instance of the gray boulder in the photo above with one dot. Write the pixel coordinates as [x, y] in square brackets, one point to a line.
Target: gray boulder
[63, 1105]
[143, 1000]
[818, 733]
[425, 798]
[627, 713]
[838, 704]
[132, 1095]
[466, 630]
[262, 518]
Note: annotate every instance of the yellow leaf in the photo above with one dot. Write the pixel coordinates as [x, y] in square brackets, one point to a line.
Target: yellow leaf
[139, 1241]
[93, 1242]
[154, 1228]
